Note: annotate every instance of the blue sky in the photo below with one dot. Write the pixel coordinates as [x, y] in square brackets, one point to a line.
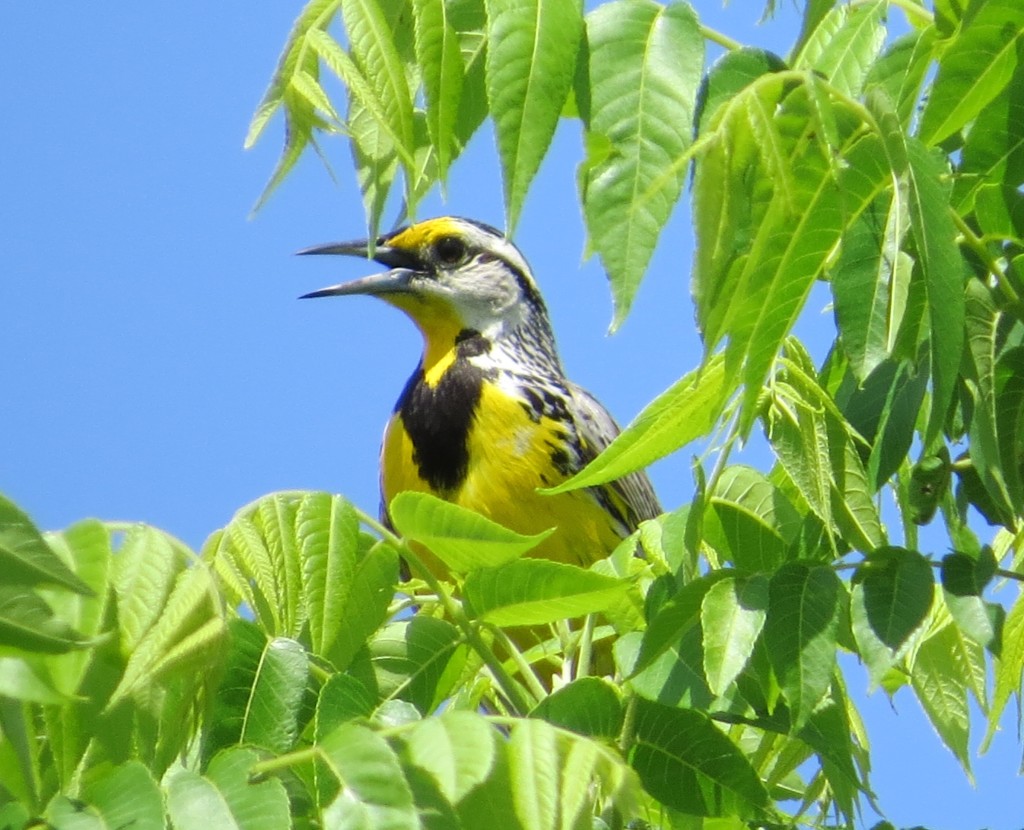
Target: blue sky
[158, 367]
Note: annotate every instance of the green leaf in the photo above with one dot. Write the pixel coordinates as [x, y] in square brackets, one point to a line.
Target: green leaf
[440, 57]
[87, 545]
[871, 281]
[461, 538]
[417, 660]
[375, 47]
[342, 698]
[993, 152]
[28, 623]
[941, 687]
[821, 453]
[589, 706]
[892, 594]
[941, 267]
[983, 320]
[188, 631]
[1009, 382]
[845, 44]
[748, 520]
[772, 202]
[1008, 667]
[25, 558]
[457, 749]
[682, 413]
[226, 796]
[143, 576]
[557, 777]
[900, 71]
[122, 796]
[261, 693]
[348, 582]
[731, 73]
[531, 60]
[537, 591]
[374, 791]
[800, 632]
[689, 764]
[645, 67]
[974, 69]
[963, 581]
[732, 615]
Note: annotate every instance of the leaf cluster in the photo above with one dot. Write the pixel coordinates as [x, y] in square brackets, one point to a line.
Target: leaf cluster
[277, 678]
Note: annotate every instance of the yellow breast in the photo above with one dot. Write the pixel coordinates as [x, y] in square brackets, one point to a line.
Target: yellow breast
[509, 458]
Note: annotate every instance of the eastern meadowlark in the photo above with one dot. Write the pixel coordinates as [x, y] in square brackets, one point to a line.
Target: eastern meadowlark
[488, 417]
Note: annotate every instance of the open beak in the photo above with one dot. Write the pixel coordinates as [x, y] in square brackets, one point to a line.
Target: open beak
[404, 266]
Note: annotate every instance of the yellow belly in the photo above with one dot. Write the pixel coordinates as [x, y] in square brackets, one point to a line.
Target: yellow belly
[509, 459]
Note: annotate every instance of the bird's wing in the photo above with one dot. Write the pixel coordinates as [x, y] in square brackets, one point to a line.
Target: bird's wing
[597, 428]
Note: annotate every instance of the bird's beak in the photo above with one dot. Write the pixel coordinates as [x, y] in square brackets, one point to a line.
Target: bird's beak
[404, 266]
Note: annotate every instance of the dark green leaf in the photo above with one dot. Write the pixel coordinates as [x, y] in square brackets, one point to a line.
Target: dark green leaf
[688, 763]
[25, 558]
[800, 632]
[892, 595]
[261, 693]
[942, 274]
[416, 660]
[963, 581]
[589, 706]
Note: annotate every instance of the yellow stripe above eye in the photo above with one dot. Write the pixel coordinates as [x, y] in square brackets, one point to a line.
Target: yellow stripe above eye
[420, 235]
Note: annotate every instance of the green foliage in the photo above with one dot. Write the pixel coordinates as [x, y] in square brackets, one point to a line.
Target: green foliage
[290, 676]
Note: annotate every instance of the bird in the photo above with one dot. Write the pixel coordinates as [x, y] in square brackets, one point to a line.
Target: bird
[488, 419]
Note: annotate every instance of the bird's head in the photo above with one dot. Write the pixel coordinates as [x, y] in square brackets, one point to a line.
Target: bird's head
[449, 275]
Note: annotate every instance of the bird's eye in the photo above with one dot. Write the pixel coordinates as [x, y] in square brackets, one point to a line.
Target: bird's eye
[450, 250]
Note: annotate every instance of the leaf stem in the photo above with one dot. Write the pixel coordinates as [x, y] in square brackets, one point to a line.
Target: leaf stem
[970, 238]
[721, 39]
[512, 690]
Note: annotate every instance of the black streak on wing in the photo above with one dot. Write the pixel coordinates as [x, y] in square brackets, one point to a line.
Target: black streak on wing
[438, 419]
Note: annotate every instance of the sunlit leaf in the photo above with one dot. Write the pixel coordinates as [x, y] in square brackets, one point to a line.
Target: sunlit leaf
[225, 796]
[374, 792]
[645, 67]
[531, 59]
[974, 69]
[457, 749]
[845, 43]
[942, 690]
[685, 411]
[537, 591]
[732, 616]
[459, 537]
[800, 632]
